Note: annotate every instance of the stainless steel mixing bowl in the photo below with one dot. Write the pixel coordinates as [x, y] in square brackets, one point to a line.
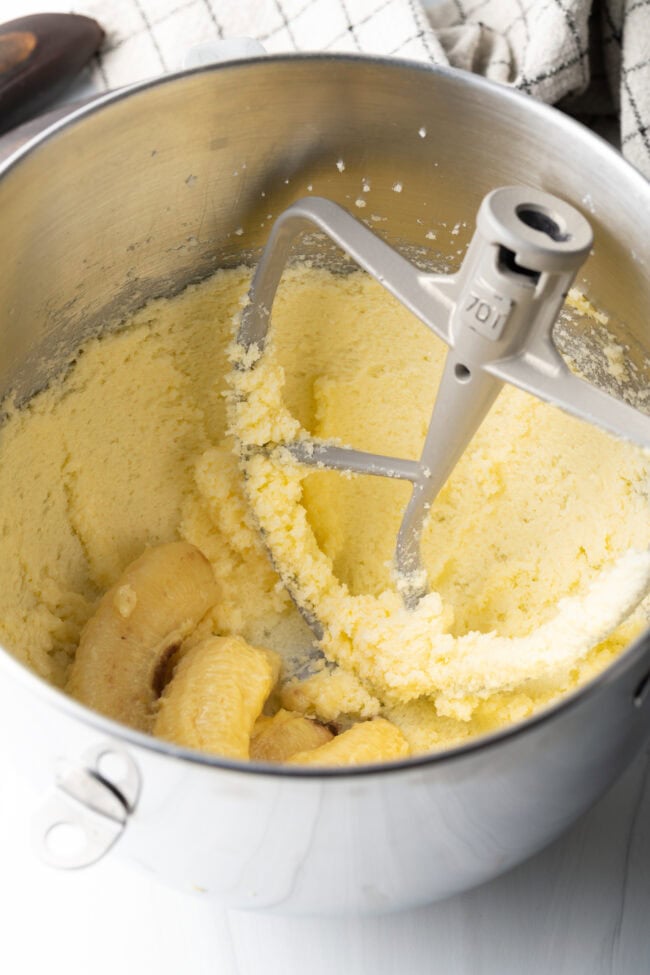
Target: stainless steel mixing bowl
[157, 186]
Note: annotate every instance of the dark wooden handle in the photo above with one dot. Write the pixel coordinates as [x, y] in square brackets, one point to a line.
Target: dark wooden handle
[39, 56]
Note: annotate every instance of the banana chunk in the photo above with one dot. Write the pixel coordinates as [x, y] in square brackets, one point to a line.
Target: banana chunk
[369, 741]
[329, 695]
[139, 624]
[216, 695]
[278, 738]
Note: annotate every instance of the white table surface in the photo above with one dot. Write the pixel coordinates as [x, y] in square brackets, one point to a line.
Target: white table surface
[582, 907]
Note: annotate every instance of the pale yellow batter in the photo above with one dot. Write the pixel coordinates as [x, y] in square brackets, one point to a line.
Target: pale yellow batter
[130, 451]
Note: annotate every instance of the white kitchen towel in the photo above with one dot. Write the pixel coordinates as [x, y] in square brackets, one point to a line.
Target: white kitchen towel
[592, 56]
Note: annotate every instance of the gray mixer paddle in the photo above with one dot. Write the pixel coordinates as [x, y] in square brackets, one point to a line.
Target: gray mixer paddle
[496, 315]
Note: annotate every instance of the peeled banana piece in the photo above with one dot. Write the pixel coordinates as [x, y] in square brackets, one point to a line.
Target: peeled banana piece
[369, 741]
[139, 624]
[216, 695]
[214, 700]
[278, 738]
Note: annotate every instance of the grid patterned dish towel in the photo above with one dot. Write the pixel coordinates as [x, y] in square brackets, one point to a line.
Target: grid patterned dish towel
[591, 56]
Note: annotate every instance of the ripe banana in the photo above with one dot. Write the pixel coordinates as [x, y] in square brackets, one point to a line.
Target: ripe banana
[214, 700]
[276, 739]
[216, 695]
[369, 741]
[126, 646]
[330, 695]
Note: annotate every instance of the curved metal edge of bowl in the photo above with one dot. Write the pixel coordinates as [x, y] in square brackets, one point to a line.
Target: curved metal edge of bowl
[74, 709]
[634, 652]
[507, 94]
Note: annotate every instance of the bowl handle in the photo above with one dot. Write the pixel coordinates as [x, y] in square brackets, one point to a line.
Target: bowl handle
[88, 809]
